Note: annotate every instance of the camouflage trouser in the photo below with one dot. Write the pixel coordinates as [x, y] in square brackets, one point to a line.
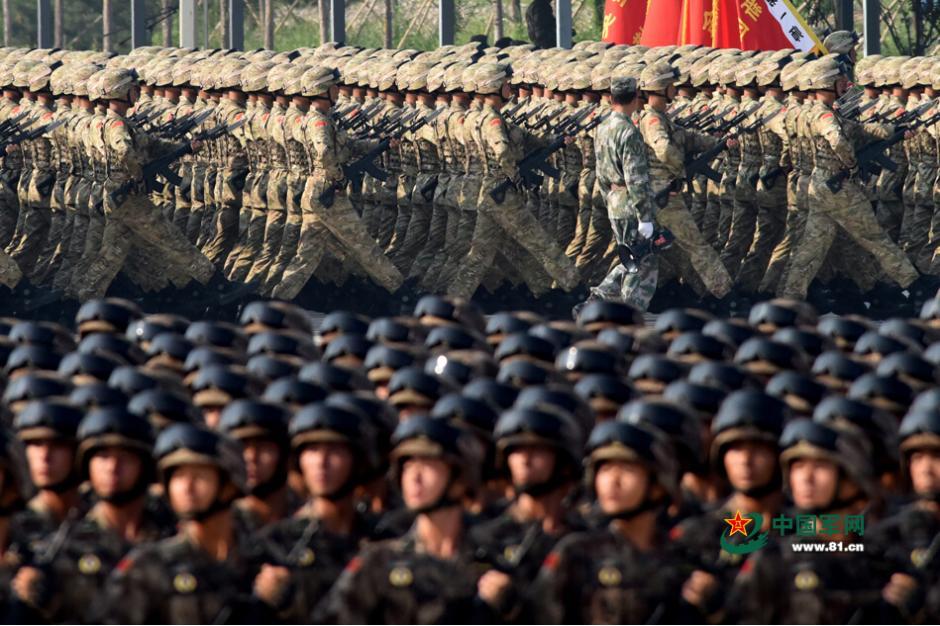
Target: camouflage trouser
[461, 225]
[743, 220]
[10, 272]
[619, 285]
[567, 207]
[405, 209]
[512, 219]
[9, 205]
[275, 204]
[182, 197]
[228, 200]
[338, 221]
[583, 218]
[590, 261]
[432, 250]
[702, 257]
[78, 198]
[245, 209]
[207, 225]
[91, 240]
[851, 210]
[890, 208]
[385, 212]
[34, 194]
[252, 245]
[290, 233]
[698, 202]
[797, 210]
[915, 229]
[725, 206]
[712, 213]
[771, 220]
[418, 228]
[198, 207]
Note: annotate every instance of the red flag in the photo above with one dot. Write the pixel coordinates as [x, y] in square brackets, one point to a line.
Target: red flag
[665, 20]
[695, 26]
[760, 25]
[623, 21]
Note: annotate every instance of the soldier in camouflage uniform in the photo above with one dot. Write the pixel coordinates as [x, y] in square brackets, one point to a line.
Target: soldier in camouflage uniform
[834, 152]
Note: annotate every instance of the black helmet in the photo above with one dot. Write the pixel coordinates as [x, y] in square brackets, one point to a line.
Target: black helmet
[650, 373]
[106, 315]
[800, 392]
[217, 385]
[560, 333]
[31, 358]
[695, 347]
[846, 448]
[47, 419]
[917, 372]
[320, 422]
[500, 325]
[673, 322]
[221, 335]
[341, 323]
[920, 430]
[89, 368]
[334, 377]
[910, 330]
[104, 343]
[461, 366]
[722, 375]
[293, 392]
[465, 412]
[382, 361]
[188, 444]
[395, 331]
[117, 427]
[143, 330]
[168, 351]
[283, 344]
[97, 395]
[437, 310]
[378, 411]
[682, 428]
[263, 316]
[523, 373]
[932, 353]
[588, 356]
[600, 314]
[884, 392]
[845, 330]
[765, 357]
[703, 400]
[425, 436]
[837, 371]
[347, 350]
[34, 386]
[555, 398]
[880, 427]
[930, 312]
[531, 426]
[633, 341]
[621, 441]
[733, 332]
[49, 334]
[872, 346]
[444, 338]
[162, 408]
[772, 315]
[807, 340]
[267, 367]
[413, 386]
[605, 393]
[500, 395]
[204, 356]
[747, 415]
[131, 380]
[524, 346]
[249, 419]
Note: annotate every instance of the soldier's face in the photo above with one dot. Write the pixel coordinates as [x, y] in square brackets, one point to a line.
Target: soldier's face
[325, 467]
[193, 488]
[621, 486]
[423, 481]
[261, 460]
[925, 471]
[750, 464]
[531, 465]
[212, 415]
[50, 461]
[813, 483]
[114, 470]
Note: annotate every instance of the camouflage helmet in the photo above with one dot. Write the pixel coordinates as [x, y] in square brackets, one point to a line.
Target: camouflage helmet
[888, 71]
[317, 81]
[579, 77]
[698, 71]
[182, 72]
[6, 73]
[657, 76]
[790, 75]
[59, 81]
[600, 77]
[746, 74]
[821, 74]
[80, 75]
[489, 77]
[435, 79]
[769, 71]
[840, 42]
[385, 75]
[418, 72]
[291, 85]
[21, 72]
[910, 72]
[683, 67]
[934, 72]
[454, 77]
[40, 75]
[116, 84]
[260, 55]
[229, 75]
[254, 76]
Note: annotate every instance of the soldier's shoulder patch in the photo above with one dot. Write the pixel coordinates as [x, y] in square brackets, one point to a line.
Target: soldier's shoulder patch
[746, 567]
[170, 116]
[321, 123]
[298, 119]
[676, 532]
[826, 116]
[551, 561]
[280, 119]
[354, 565]
[783, 109]
[460, 121]
[899, 112]
[47, 116]
[495, 121]
[124, 564]
[265, 117]
[653, 119]
[239, 116]
[100, 125]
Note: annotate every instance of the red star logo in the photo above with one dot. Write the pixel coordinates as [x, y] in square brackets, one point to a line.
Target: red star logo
[738, 524]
